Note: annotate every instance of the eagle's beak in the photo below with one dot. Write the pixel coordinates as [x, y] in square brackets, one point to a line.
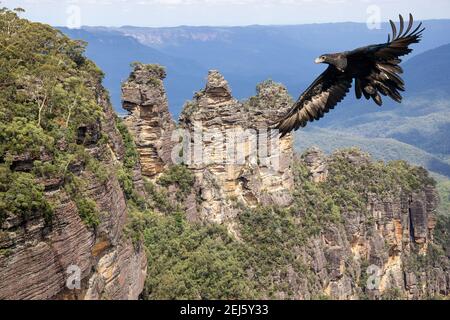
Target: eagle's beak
[318, 60]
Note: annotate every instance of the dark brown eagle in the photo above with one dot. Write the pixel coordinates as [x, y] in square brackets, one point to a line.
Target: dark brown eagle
[375, 69]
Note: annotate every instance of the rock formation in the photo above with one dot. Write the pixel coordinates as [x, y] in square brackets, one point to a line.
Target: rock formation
[315, 161]
[252, 167]
[231, 151]
[149, 120]
[79, 199]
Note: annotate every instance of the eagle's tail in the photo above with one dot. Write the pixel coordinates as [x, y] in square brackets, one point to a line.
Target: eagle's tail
[385, 80]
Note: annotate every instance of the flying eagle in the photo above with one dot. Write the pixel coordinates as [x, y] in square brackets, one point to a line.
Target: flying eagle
[375, 69]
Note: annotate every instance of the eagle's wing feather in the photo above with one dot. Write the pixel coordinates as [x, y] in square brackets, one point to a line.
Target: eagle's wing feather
[399, 45]
[324, 94]
[381, 63]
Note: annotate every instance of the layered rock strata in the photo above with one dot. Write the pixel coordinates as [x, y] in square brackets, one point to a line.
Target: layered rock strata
[149, 120]
[45, 261]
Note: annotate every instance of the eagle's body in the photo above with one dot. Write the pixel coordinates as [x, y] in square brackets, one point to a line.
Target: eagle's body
[375, 70]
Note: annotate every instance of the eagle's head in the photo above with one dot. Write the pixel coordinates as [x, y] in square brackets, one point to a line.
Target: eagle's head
[322, 59]
[338, 60]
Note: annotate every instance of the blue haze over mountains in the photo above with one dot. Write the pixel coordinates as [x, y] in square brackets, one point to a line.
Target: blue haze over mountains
[417, 130]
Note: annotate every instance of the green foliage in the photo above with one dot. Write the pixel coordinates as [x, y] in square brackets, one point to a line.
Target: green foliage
[186, 261]
[131, 157]
[180, 176]
[126, 182]
[268, 94]
[22, 196]
[156, 69]
[375, 177]
[189, 108]
[393, 294]
[444, 193]
[129, 163]
[5, 252]
[317, 204]
[271, 236]
[47, 92]
[20, 136]
[98, 169]
[442, 232]
[192, 261]
[136, 225]
[416, 262]
[87, 209]
[362, 281]
[159, 198]
[384, 149]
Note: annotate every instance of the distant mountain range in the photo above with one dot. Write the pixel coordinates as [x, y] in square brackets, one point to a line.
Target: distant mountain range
[416, 130]
[245, 55]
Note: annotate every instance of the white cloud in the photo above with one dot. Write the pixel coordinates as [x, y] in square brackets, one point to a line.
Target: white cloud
[224, 12]
[183, 2]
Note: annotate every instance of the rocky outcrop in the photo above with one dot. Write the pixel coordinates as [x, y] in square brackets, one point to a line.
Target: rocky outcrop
[225, 142]
[149, 120]
[232, 152]
[36, 257]
[315, 160]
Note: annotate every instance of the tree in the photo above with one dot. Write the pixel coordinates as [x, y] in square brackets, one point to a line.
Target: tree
[77, 91]
[42, 87]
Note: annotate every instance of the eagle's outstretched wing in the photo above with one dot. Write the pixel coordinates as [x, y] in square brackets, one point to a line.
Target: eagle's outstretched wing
[324, 94]
[380, 63]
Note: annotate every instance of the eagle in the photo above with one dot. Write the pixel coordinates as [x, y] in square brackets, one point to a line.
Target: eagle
[374, 68]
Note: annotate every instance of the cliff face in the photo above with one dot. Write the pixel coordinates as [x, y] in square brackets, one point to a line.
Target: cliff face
[37, 257]
[63, 205]
[381, 245]
[230, 151]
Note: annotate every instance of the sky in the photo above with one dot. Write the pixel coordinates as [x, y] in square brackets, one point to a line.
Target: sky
[167, 13]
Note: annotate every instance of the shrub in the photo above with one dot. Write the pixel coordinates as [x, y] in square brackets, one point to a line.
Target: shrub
[22, 196]
[136, 226]
[179, 176]
[87, 209]
[442, 232]
[129, 163]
